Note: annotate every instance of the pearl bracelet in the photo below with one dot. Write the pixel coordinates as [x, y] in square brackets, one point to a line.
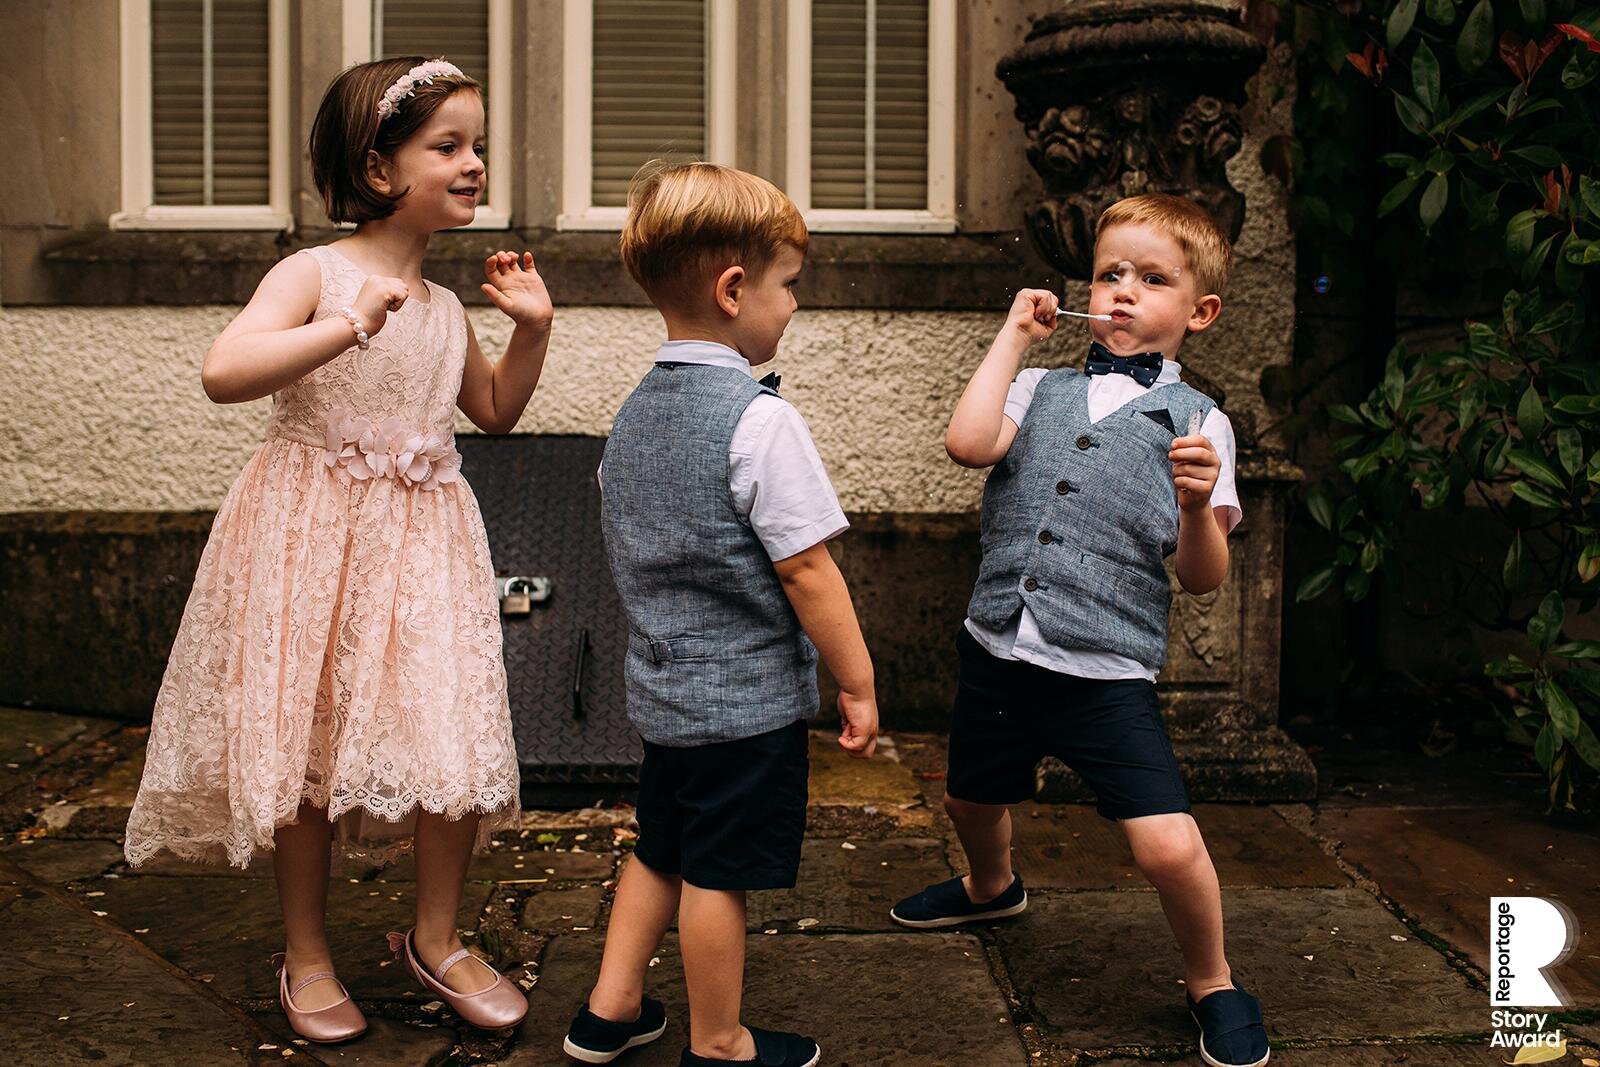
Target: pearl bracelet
[355, 323]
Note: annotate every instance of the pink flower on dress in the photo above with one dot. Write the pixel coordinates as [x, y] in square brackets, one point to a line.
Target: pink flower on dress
[390, 449]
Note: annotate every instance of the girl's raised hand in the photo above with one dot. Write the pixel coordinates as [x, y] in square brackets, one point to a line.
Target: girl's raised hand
[516, 289]
[379, 296]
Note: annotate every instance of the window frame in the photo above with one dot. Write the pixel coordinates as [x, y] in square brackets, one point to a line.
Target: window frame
[940, 214]
[357, 46]
[139, 209]
[578, 210]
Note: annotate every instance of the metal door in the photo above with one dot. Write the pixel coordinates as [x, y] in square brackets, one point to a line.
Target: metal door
[541, 507]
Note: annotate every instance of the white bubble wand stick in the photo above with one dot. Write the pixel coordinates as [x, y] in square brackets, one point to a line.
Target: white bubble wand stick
[1083, 315]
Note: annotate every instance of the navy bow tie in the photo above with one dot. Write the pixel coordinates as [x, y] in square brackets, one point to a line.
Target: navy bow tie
[1143, 368]
[771, 382]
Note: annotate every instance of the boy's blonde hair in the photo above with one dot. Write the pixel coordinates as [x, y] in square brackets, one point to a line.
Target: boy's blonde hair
[1205, 245]
[688, 222]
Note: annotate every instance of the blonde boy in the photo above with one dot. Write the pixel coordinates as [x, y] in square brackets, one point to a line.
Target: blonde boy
[1098, 477]
[716, 510]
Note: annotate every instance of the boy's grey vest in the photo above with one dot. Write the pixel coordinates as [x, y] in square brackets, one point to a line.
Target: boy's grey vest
[1079, 516]
[715, 652]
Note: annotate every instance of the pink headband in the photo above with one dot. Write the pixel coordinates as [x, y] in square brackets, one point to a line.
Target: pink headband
[407, 84]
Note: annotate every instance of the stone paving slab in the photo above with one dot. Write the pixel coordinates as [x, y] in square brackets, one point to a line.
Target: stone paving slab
[859, 996]
[59, 862]
[1442, 864]
[851, 888]
[224, 931]
[521, 861]
[26, 736]
[1101, 971]
[1069, 846]
[386, 1043]
[120, 1006]
[116, 787]
[840, 778]
[1410, 1055]
[561, 911]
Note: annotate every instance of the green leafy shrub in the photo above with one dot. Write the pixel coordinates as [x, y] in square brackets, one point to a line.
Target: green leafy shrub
[1495, 132]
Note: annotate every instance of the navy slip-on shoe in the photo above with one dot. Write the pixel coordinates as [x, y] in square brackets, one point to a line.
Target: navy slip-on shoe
[1231, 1030]
[773, 1049]
[947, 904]
[591, 1039]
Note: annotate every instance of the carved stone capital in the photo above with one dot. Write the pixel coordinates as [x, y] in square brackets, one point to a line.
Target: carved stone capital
[1120, 98]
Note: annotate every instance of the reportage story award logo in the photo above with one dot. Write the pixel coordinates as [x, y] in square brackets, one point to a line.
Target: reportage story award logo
[1527, 937]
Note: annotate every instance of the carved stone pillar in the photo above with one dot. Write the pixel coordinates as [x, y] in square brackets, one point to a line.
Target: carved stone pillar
[1121, 97]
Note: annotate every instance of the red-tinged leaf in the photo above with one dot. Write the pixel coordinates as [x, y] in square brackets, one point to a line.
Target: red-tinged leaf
[1552, 193]
[1511, 54]
[1548, 46]
[1534, 53]
[1578, 33]
[1361, 63]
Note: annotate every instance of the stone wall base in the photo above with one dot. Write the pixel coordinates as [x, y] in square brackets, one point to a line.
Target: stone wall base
[1261, 765]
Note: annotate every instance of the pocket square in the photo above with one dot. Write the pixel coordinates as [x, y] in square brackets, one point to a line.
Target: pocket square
[1161, 416]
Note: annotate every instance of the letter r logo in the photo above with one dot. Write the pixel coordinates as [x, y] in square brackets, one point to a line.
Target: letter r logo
[1528, 936]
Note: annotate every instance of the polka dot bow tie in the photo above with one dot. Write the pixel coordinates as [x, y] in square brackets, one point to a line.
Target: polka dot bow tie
[1143, 368]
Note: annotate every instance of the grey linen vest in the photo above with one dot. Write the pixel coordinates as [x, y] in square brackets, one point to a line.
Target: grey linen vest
[1079, 517]
[715, 652]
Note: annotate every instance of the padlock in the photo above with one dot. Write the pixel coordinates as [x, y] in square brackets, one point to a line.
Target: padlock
[516, 596]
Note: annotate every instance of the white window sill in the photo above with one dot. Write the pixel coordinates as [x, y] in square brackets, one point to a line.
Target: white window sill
[159, 217]
[487, 218]
[822, 221]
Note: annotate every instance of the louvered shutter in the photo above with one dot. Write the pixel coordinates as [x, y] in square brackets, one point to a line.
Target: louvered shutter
[869, 104]
[649, 89]
[209, 102]
[458, 30]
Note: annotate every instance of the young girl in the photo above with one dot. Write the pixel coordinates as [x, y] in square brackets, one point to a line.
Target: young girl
[338, 669]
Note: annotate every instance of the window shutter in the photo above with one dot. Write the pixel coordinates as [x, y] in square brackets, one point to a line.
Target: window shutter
[869, 104]
[209, 101]
[458, 30]
[649, 89]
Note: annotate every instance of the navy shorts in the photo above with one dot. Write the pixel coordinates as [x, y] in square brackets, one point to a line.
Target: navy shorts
[728, 815]
[1009, 715]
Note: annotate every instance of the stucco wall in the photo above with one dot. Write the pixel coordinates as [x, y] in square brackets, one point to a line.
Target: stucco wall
[103, 408]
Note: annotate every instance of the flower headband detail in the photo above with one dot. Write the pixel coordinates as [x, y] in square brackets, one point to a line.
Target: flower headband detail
[407, 84]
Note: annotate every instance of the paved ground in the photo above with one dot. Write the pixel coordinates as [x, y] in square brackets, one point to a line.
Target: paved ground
[1361, 921]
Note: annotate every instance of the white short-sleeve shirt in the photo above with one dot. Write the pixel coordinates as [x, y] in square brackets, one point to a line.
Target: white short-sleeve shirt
[775, 474]
[1107, 393]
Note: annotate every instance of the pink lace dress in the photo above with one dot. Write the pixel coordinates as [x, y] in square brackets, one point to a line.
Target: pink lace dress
[341, 644]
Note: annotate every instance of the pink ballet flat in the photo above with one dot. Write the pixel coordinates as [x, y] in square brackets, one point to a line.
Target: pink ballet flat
[338, 1022]
[499, 1006]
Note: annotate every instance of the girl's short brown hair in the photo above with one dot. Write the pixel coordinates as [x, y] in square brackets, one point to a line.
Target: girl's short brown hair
[347, 126]
[688, 221]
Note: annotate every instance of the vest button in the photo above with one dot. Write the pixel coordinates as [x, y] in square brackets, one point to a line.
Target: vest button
[1030, 585]
[1063, 488]
[1083, 441]
[1044, 537]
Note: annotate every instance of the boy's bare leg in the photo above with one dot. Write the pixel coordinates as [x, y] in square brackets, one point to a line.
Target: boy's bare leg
[985, 832]
[711, 928]
[645, 903]
[1172, 855]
